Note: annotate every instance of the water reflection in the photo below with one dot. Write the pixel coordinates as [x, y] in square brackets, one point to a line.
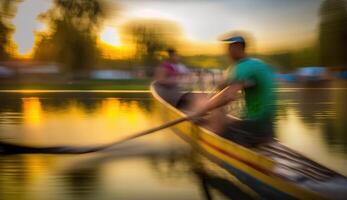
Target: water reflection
[83, 183]
[312, 121]
[32, 111]
[20, 173]
[147, 167]
[82, 119]
[159, 165]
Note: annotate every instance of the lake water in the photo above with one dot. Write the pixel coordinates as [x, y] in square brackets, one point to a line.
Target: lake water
[157, 166]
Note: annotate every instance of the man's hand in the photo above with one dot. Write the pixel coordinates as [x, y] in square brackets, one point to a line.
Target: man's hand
[220, 99]
[196, 109]
[194, 116]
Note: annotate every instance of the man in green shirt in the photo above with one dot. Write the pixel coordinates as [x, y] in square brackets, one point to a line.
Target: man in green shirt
[255, 79]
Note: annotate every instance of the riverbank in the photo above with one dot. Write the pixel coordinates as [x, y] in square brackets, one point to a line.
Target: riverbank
[132, 84]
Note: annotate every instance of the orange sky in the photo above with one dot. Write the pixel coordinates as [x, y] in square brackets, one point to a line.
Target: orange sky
[274, 24]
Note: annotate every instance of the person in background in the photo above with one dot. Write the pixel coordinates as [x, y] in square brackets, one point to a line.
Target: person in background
[256, 80]
[169, 76]
[170, 72]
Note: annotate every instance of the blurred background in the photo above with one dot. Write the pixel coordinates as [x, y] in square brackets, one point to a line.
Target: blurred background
[76, 72]
[54, 41]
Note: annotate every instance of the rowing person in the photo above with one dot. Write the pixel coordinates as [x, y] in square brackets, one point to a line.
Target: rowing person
[255, 79]
[169, 76]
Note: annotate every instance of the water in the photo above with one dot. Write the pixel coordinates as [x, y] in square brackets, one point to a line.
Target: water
[158, 166]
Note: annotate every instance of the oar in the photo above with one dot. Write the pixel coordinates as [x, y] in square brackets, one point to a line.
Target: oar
[146, 132]
[6, 148]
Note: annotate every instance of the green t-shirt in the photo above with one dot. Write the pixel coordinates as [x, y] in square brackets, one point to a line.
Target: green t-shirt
[259, 96]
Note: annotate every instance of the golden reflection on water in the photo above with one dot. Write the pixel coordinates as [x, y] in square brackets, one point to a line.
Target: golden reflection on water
[109, 108]
[78, 123]
[122, 118]
[92, 119]
[32, 111]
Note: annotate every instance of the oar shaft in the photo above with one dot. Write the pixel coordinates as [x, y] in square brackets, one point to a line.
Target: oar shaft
[16, 149]
[146, 132]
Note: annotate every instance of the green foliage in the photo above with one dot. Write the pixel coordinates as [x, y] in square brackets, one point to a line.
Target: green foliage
[124, 64]
[281, 61]
[71, 40]
[7, 12]
[151, 39]
[333, 33]
[207, 61]
[5, 32]
[291, 60]
[331, 48]
[306, 57]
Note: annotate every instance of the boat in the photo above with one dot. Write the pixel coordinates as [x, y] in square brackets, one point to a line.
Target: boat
[272, 170]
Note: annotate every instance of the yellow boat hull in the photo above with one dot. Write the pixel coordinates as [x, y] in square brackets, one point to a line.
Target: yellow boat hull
[251, 167]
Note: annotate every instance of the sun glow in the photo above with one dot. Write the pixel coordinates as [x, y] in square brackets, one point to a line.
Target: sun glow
[110, 36]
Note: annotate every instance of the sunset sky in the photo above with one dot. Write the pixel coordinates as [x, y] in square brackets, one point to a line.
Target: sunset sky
[274, 24]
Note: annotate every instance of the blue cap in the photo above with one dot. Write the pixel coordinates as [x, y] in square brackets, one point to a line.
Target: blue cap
[235, 39]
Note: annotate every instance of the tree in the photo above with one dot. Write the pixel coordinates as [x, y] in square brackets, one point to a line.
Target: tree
[71, 39]
[333, 33]
[7, 12]
[151, 38]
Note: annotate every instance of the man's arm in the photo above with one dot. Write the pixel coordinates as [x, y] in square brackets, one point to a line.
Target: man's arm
[223, 84]
[220, 99]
